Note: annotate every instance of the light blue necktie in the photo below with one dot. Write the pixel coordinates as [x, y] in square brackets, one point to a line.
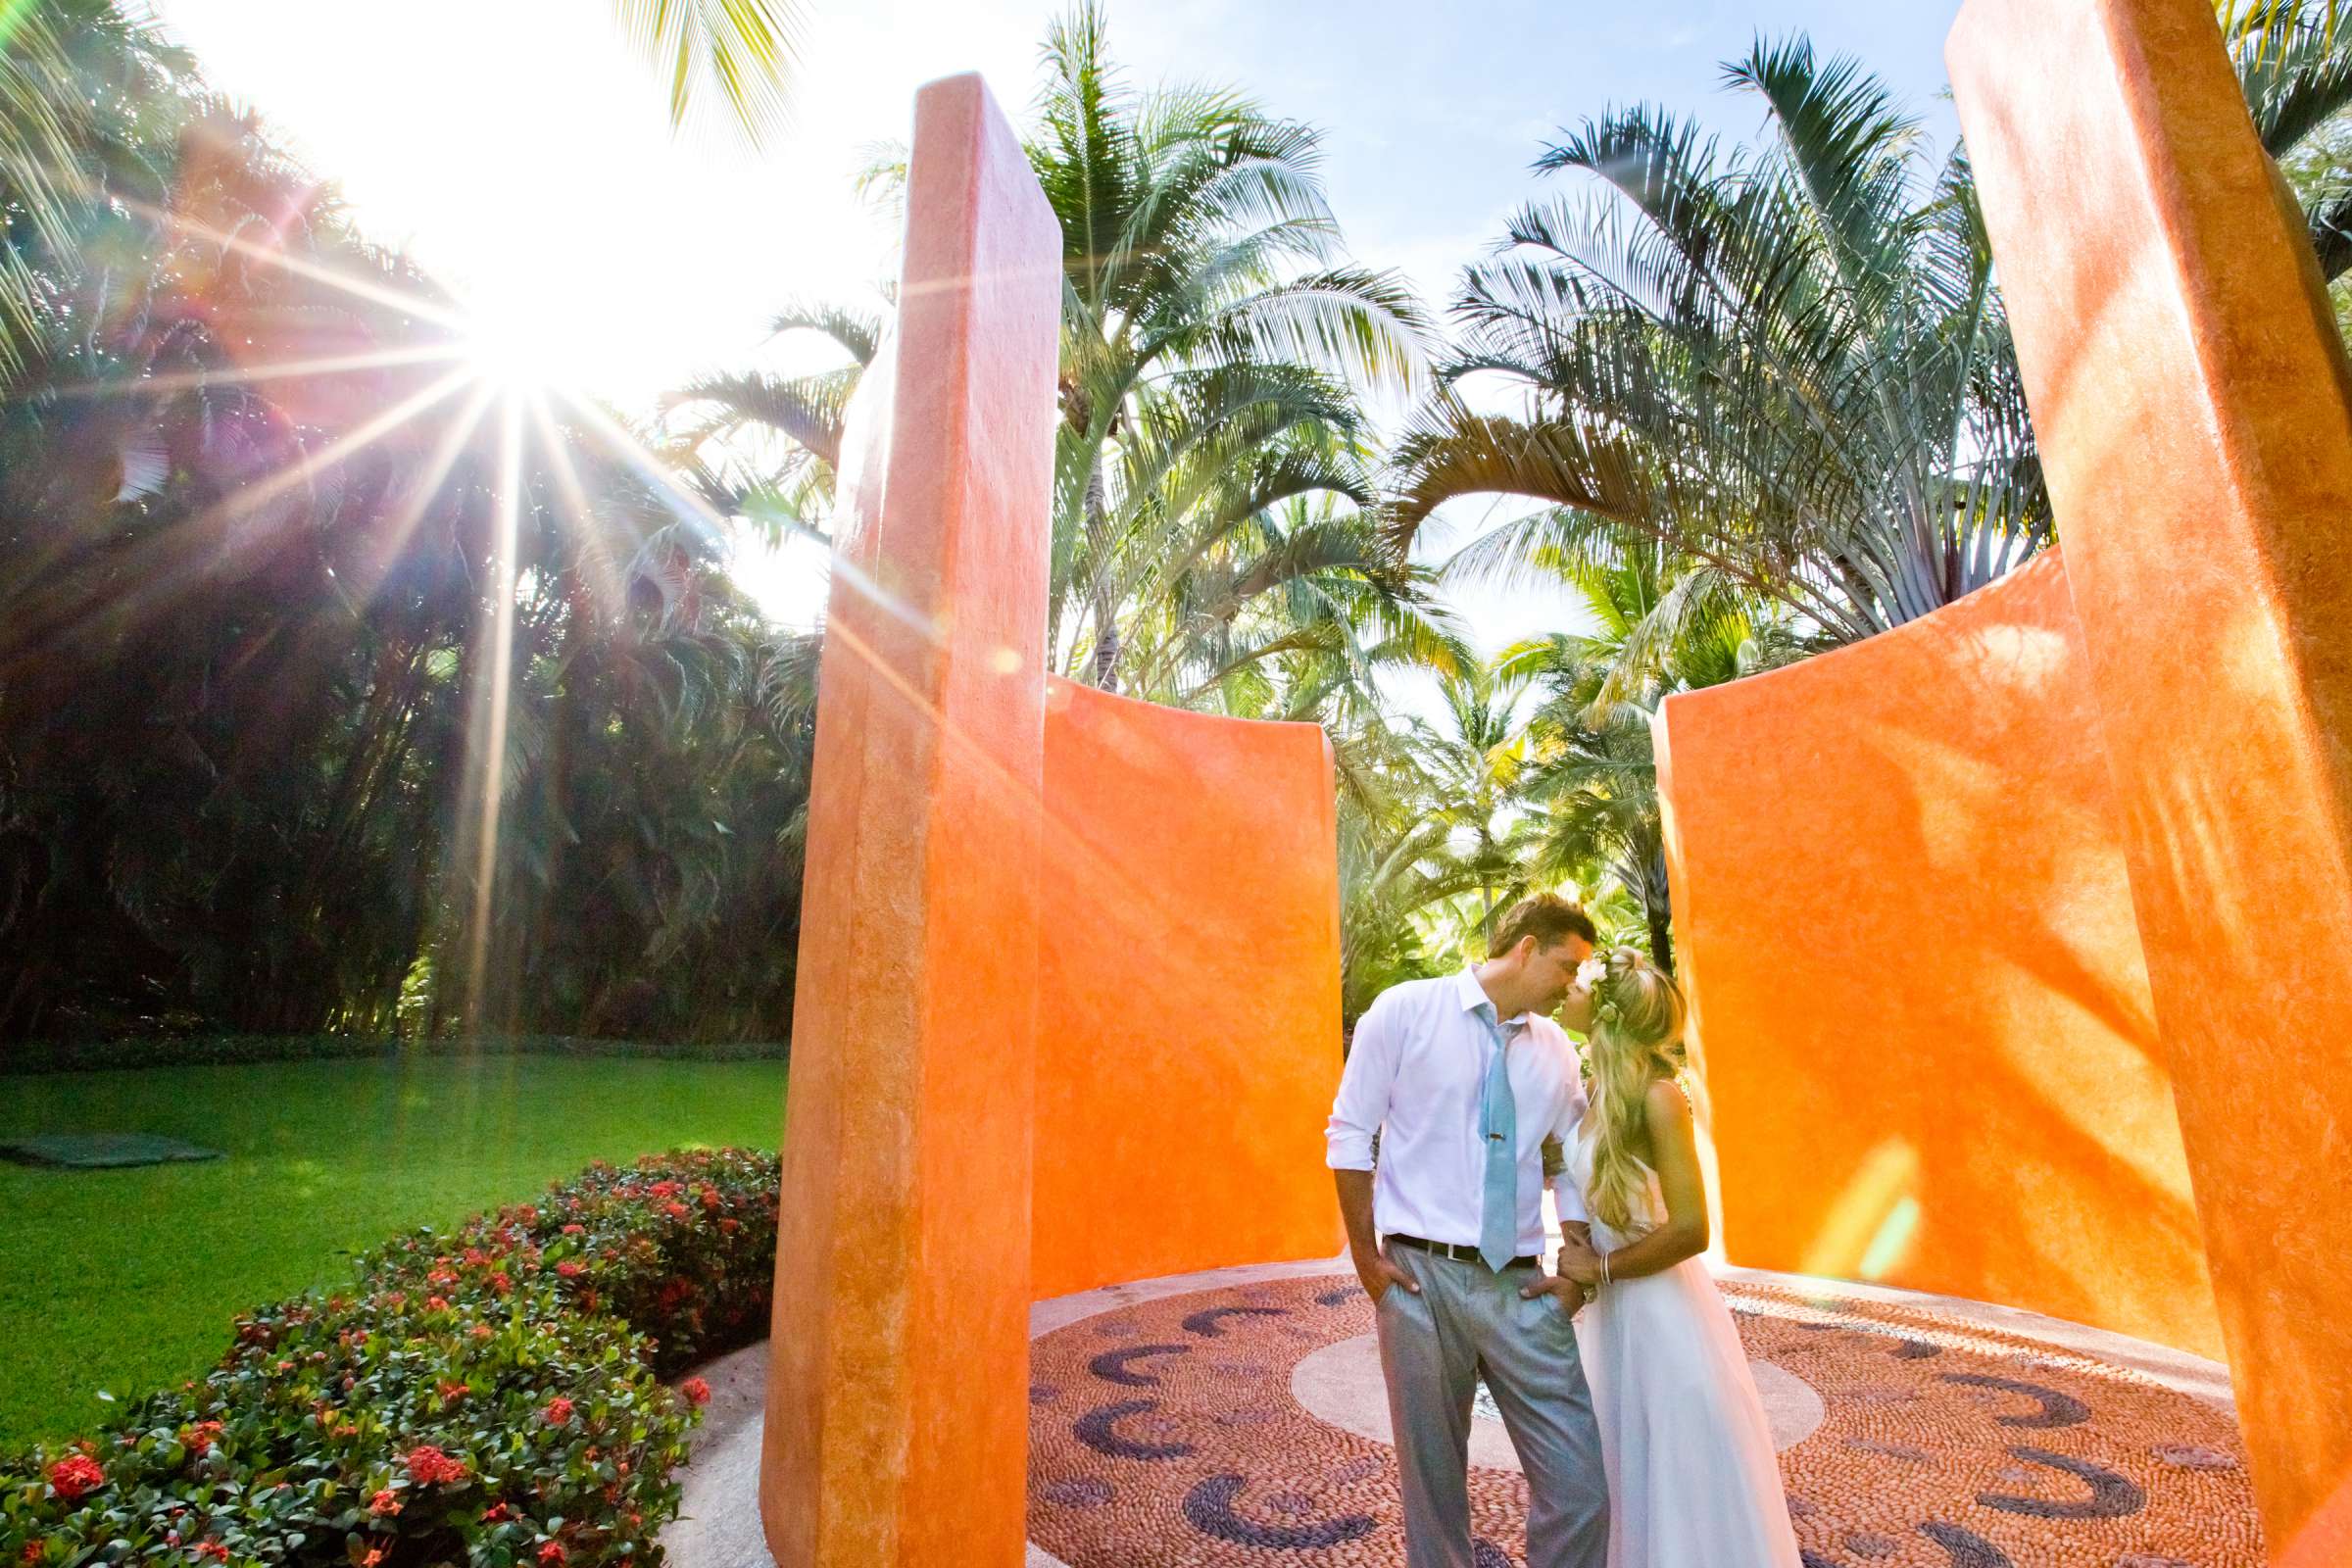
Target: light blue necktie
[1499, 1120]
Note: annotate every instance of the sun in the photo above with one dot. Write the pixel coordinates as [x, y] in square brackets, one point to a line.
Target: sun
[513, 353]
[523, 333]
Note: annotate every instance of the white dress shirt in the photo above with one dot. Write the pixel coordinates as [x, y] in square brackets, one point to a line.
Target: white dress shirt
[1417, 1074]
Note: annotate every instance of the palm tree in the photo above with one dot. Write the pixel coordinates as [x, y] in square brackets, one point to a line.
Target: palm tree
[767, 448]
[1786, 363]
[1215, 538]
[1659, 629]
[1388, 850]
[1213, 336]
[1474, 759]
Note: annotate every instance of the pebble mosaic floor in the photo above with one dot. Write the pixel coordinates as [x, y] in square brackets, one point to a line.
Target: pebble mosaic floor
[1165, 1434]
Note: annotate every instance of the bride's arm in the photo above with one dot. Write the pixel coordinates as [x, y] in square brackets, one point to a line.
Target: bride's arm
[1674, 1155]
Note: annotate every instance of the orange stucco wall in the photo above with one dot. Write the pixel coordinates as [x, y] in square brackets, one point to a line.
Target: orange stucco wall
[2189, 389]
[897, 1417]
[1189, 978]
[1920, 994]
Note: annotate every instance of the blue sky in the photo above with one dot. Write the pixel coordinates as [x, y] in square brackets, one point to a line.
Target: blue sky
[1434, 112]
[518, 151]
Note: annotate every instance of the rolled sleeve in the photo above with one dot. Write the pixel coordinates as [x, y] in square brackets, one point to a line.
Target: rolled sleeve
[1362, 1102]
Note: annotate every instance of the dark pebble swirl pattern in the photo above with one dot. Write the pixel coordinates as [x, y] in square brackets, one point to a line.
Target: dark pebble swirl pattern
[1167, 1434]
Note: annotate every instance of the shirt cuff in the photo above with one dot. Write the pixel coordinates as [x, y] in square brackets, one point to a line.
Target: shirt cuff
[1569, 1201]
[1346, 1148]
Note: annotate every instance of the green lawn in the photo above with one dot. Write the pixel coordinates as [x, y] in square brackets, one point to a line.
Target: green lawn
[125, 1280]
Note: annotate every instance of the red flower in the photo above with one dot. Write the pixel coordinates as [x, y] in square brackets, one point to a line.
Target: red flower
[729, 1223]
[675, 1211]
[551, 1554]
[428, 1465]
[33, 1553]
[202, 1436]
[436, 1303]
[500, 1284]
[213, 1549]
[375, 1554]
[575, 1230]
[481, 1331]
[569, 1270]
[386, 1501]
[697, 1392]
[74, 1474]
[558, 1412]
[451, 1392]
[496, 1512]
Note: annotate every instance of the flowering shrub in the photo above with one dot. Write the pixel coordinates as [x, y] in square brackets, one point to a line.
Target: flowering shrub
[492, 1397]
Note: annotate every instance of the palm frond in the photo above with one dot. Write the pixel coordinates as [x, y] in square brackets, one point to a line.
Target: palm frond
[744, 50]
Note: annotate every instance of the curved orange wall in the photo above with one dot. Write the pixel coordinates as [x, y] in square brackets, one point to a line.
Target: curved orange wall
[1918, 980]
[1188, 993]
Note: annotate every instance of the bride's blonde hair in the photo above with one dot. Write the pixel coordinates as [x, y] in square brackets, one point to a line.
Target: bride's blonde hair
[1638, 1016]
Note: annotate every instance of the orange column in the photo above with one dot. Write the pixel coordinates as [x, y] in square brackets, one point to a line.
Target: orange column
[2189, 389]
[897, 1406]
[1190, 1024]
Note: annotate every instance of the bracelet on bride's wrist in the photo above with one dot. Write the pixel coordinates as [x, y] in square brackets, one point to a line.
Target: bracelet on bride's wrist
[1604, 1268]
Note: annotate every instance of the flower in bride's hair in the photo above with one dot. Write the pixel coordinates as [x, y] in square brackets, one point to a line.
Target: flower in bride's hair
[1592, 972]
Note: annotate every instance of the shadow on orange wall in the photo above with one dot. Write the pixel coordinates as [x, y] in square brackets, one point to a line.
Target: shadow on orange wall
[2193, 402]
[1188, 993]
[1917, 983]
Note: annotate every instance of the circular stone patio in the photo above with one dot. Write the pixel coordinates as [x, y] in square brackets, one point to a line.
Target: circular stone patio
[1237, 1417]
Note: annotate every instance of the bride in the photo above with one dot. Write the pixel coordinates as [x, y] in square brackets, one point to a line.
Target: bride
[1693, 1482]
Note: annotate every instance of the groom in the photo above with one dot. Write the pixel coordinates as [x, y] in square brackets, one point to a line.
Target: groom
[1463, 1078]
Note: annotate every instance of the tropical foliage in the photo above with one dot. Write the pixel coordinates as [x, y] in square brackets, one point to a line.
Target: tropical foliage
[1214, 534]
[1786, 363]
[284, 600]
[2294, 61]
[1216, 537]
[1765, 399]
[340, 692]
[741, 49]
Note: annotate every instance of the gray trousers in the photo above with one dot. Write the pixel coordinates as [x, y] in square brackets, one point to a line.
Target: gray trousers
[1467, 1320]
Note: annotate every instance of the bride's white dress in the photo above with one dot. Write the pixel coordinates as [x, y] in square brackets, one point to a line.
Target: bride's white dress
[1693, 1482]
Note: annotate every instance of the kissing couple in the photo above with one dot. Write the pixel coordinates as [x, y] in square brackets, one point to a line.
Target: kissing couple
[1620, 1377]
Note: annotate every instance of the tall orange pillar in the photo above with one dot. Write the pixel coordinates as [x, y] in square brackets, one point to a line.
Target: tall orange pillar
[2190, 393]
[897, 1419]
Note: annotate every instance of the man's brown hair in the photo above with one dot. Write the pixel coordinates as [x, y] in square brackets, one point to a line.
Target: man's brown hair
[1547, 917]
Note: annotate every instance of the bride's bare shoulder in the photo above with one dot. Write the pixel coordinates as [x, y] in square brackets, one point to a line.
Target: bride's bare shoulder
[1666, 1103]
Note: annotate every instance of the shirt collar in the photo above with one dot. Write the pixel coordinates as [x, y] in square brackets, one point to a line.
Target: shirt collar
[1472, 996]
